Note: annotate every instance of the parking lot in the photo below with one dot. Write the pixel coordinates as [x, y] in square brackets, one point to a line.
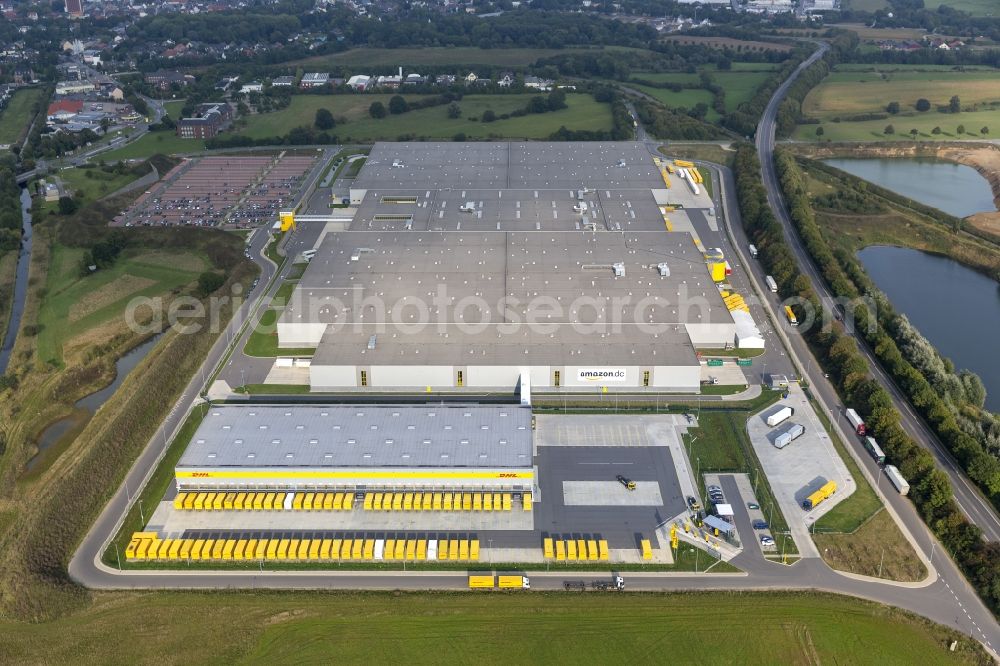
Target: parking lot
[801, 467]
[239, 192]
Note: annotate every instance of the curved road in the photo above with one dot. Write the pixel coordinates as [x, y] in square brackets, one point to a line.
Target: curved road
[947, 599]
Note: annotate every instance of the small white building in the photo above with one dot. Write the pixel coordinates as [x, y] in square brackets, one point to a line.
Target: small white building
[252, 87]
[359, 82]
[314, 79]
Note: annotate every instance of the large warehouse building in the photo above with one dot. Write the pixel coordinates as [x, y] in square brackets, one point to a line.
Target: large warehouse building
[359, 448]
[481, 266]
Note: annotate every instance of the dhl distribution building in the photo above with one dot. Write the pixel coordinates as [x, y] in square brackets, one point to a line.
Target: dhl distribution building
[360, 448]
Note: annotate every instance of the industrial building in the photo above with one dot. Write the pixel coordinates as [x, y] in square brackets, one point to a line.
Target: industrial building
[360, 447]
[485, 266]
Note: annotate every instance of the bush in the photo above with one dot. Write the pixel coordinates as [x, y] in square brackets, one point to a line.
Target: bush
[324, 119]
[209, 282]
[922, 105]
[377, 110]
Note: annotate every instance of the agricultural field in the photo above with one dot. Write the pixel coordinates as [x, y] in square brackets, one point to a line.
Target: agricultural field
[583, 113]
[475, 628]
[76, 307]
[14, 120]
[866, 33]
[853, 91]
[462, 56]
[974, 7]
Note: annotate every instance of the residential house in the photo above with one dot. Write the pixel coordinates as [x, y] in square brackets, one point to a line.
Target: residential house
[536, 83]
[252, 87]
[74, 8]
[471, 78]
[116, 94]
[283, 82]
[506, 80]
[445, 79]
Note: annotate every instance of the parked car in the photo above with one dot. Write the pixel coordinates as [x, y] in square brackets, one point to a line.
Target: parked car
[753, 505]
[760, 524]
[766, 540]
[693, 504]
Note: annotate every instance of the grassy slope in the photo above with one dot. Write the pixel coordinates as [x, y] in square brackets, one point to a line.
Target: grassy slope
[87, 189]
[583, 113]
[687, 98]
[14, 120]
[163, 141]
[65, 288]
[924, 123]
[480, 628]
[8, 267]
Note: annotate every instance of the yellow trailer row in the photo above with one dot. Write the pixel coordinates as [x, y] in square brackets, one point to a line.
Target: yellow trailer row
[404, 501]
[575, 550]
[683, 163]
[263, 501]
[149, 547]
[735, 302]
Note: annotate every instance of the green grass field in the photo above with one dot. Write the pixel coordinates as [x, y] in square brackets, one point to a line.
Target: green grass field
[583, 113]
[14, 120]
[687, 98]
[974, 7]
[482, 628]
[739, 84]
[164, 142]
[467, 57]
[75, 305]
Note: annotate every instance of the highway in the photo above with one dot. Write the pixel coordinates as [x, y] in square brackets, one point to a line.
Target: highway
[945, 597]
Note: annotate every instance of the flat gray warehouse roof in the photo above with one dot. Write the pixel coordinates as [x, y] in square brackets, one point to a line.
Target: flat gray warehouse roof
[518, 165]
[364, 436]
[470, 277]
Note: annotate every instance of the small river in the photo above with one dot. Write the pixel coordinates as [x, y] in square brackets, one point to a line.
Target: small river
[59, 434]
[20, 282]
[956, 189]
[954, 307]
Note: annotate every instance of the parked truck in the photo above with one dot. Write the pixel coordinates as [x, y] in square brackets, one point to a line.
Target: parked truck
[779, 416]
[790, 434]
[771, 284]
[480, 582]
[825, 491]
[856, 422]
[897, 479]
[753, 250]
[616, 583]
[514, 582]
